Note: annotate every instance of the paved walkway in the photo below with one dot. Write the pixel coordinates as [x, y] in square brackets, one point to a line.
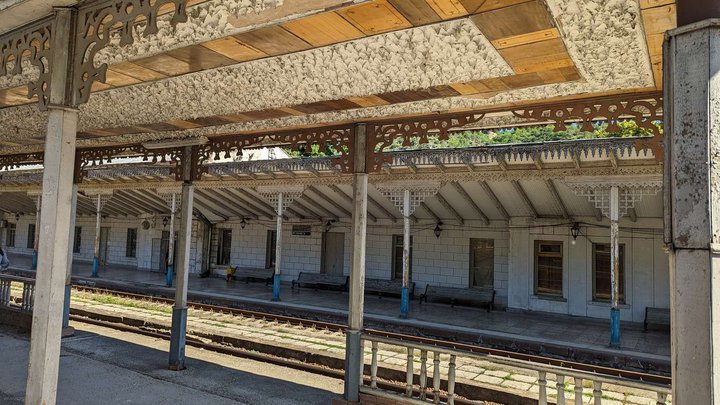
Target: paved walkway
[577, 332]
[104, 366]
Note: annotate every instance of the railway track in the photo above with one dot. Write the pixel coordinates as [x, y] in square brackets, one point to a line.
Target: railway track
[321, 325]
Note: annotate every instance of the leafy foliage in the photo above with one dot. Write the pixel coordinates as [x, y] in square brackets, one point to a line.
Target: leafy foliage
[467, 139]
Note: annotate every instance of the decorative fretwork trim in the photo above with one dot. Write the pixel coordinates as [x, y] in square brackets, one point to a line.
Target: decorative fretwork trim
[289, 194]
[419, 192]
[631, 191]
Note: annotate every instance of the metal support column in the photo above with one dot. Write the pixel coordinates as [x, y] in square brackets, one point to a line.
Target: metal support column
[171, 243]
[96, 255]
[179, 315]
[614, 211]
[405, 294]
[356, 289]
[278, 247]
[59, 163]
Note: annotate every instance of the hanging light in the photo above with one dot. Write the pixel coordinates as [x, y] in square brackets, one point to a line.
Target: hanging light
[328, 225]
[243, 223]
[438, 229]
[17, 217]
[165, 221]
[575, 231]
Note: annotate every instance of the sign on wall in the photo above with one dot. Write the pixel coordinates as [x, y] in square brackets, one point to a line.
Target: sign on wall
[301, 230]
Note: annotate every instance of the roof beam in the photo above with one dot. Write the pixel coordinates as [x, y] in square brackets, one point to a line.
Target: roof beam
[556, 195]
[501, 163]
[221, 205]
[231, 204]
[519, 189]
[264, 203]
[262, 207]
[464, 194]
[384, 210]
[305, 208]
[148, 199]
[320, 206]
[330, 201]
[500, 207]
[204, 205]
[349, 200]
[429, 211]
[450, 208]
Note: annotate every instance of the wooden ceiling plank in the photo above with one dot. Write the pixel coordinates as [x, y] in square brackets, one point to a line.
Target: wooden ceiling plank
[490, 5]
[514, 20]
[138, 72]
[200, 58]
[448, 9]
[375, 17]
[368, 101]
[655, 3]
[418, 12]
[273, 40]
[165, 64]
[529, 38]
[323, 29]
[232, 48]
[115, 78]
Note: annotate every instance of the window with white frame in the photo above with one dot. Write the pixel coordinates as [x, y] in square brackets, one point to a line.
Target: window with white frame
[602, 286]
[549, 268]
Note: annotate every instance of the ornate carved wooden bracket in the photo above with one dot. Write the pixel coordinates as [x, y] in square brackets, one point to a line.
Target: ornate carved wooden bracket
[419, 192]
[289, 194]
[597, 191]
[24, 159]
[86, 158]
[95, 24]
[645, 109]
[383, 134]
[337, 141]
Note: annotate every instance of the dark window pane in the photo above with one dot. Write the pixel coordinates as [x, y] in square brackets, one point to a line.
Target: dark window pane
[77, 242]
[31, 236]
[131, 242]
[602, 285]
[397, 257]
[548, 268]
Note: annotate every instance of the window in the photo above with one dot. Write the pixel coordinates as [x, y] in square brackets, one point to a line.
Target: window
[131, 242]
[397, 257]
[77, 240]
[270, 245]
[31, 236]
[549, 268]
[10, 235]
[482, 263]
[602, 288]
[224, 243]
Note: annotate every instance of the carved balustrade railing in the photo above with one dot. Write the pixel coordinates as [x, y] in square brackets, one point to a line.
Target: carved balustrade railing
[25, 301]
[432, 376]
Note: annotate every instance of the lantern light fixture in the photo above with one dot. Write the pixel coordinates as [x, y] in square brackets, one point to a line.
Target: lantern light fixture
[575, 232]
[438, 229]
[243, 223]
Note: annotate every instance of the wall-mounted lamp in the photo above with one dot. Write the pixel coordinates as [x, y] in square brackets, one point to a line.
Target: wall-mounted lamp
[243, 223]
[575, 231]
[328, 225]
[438, 229]
[17, 217]
[165, 221]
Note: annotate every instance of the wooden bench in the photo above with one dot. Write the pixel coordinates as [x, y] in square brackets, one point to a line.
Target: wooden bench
[316, 281]
[656, 316]
[387, 287]
[467, 296]
[249, 273]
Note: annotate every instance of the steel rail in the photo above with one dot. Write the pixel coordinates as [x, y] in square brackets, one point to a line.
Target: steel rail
[463, 347]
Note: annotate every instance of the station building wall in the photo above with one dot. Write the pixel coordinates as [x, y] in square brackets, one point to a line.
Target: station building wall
[441, 261]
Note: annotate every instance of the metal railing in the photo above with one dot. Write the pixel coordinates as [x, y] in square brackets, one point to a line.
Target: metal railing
[28, 292]
[424, 393]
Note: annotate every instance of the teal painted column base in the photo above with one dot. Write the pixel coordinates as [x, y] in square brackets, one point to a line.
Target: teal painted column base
[170, 270]
[615, 328]
[33, 266]
[276, 288]
[95, 266]
[404, 302]
[177, 339]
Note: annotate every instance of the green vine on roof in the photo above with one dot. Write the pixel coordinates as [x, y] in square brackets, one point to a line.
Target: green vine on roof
[474, 138]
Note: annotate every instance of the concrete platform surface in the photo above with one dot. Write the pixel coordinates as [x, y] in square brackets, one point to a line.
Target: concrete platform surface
[104, 366]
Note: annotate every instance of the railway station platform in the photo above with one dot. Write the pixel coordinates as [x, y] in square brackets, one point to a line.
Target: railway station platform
[577, 338]
[106, 366]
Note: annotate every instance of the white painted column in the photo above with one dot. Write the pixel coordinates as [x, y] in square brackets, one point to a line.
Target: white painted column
[59, 163]
[171, 243]
[38, 202]
[614, 211]
[278, 247]
[692, 207]
[179, 316]
[67, 330]
[96, 249]
[356, 288]
[405, 295]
